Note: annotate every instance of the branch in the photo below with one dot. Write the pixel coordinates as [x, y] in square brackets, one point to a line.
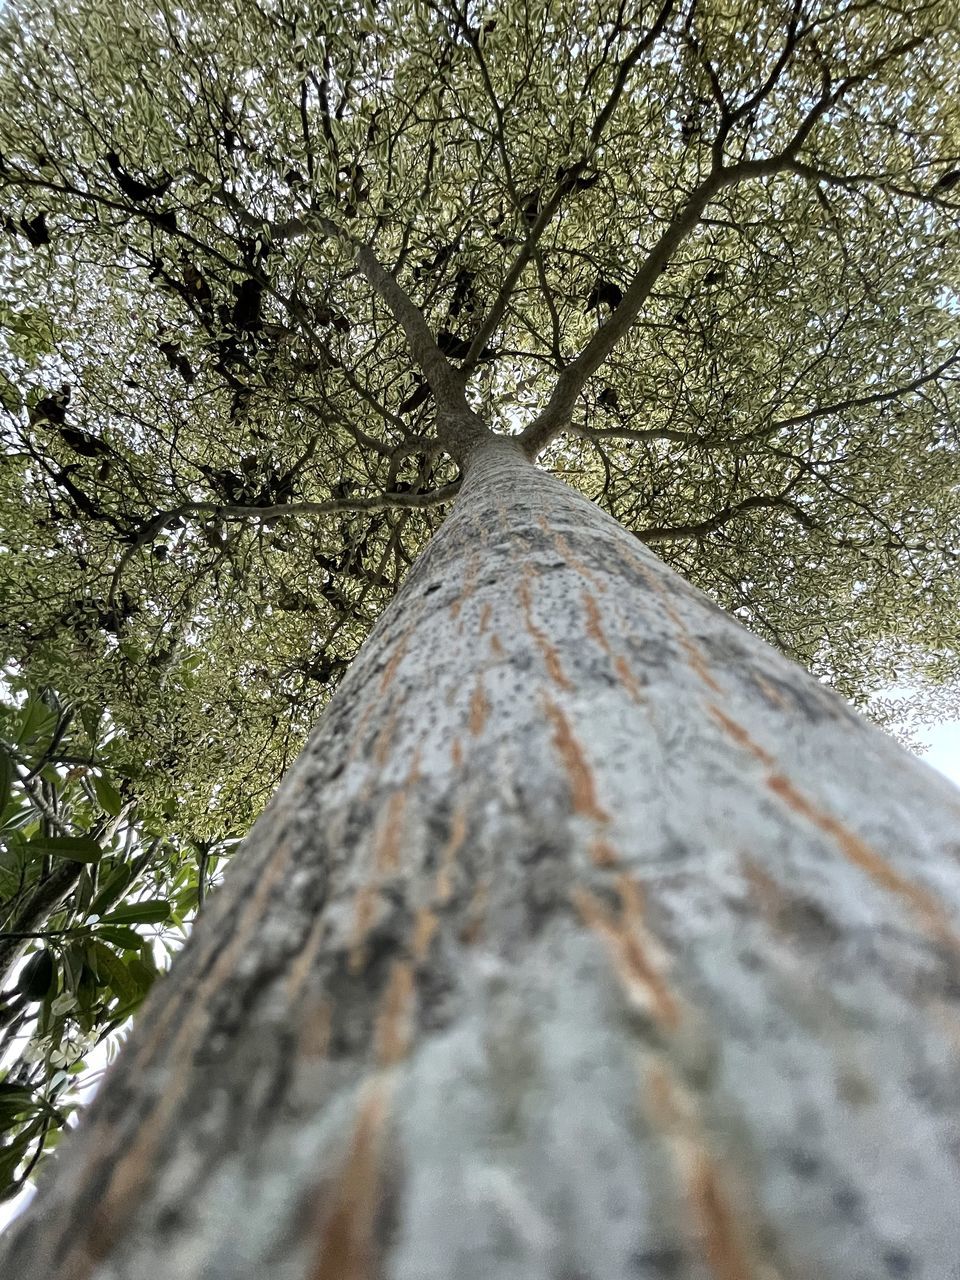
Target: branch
[496, 312]
[557, 412]
[382, 502]
[446, 383]
[675, 533]
[840, 406]
[48, 894]
[640, 434]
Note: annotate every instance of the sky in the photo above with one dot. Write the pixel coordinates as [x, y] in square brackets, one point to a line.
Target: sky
[944, 749]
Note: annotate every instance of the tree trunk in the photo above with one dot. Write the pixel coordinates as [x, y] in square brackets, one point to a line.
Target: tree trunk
[589, 939]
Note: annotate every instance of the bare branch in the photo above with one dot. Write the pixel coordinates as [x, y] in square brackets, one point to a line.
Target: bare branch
[700, 529]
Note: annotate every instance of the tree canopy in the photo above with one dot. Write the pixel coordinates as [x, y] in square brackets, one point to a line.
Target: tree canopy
[701, 256]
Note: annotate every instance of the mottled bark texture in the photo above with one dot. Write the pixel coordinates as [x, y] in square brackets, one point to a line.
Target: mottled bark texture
[589, 939]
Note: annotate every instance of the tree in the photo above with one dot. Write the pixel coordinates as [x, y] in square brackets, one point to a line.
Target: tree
[566, 840]
[91, 882]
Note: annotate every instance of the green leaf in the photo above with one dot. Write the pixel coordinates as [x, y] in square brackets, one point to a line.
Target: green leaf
[90, 719]
[11, 1156]
[112, 972]
[143, 974]
[15, 816]
[120, 936]
[110, 798]
[111, 889]
[38, 976]
[75, 848]
[15, 1100]
[149, 911]
[35, 719]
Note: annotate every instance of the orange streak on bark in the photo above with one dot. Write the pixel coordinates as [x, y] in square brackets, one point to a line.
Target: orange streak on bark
[479, 708]
[393, 1030]
[456, 753]
[484, 620]
[764, 888]
[313, 1029]
[632, 897]
[698, 662]
[472, 931]
[740, 735]
[466, 591]
[496, 648]
[720, 1235]
[694, 657]
[424, 927]
[648, 575]
[390, 670]
[594, 625]
[387, 848]
[582, 790]
[552, 661]
[724, 1249]
[458, 833]
[596, 633]
[567, 553]
[769, 691]
[347, 1246]
[303, 961]
[603, 854]
[364, 913]
[921, 900]
[638, 976]
[358, 733]
[384, 740]
[628, 679]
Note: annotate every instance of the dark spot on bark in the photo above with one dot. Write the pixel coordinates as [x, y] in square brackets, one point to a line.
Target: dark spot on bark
[750, 959]
[546, 895]
[809, 922]
[937, 1092]
[438, 826]
[544, 851]
[170, 1218]
[767, 1238]
[433, 586]
[803, 1163]
[847, 1201]
[941, 979]
[435, 988]
[898, 1263]
[658, 1264]
[354, 993]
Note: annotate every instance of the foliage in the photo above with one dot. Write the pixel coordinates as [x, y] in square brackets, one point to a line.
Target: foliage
[264, 261]
[93, 892]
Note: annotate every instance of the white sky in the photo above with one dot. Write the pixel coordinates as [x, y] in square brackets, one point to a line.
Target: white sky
[944, 752]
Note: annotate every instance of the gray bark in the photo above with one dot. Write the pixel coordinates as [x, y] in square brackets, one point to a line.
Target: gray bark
[589, 939]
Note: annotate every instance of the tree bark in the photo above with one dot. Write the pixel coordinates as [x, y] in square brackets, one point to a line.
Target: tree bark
[589, 939]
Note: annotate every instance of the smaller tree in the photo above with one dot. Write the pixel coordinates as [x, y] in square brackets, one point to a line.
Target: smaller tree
[96, 891]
